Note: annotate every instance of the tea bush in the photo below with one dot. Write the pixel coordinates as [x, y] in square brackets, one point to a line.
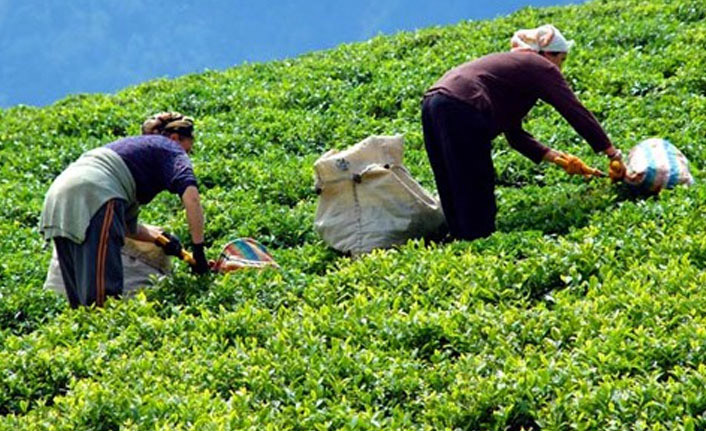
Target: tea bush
[585, 310]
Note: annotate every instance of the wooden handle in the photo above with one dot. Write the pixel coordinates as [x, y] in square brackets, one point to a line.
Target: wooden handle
[185, 255]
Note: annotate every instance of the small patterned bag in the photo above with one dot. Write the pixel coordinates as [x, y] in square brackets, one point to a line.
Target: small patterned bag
[244, 253]
[656, 164]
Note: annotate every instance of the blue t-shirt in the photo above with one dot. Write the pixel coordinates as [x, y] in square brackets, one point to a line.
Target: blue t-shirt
[156, 163]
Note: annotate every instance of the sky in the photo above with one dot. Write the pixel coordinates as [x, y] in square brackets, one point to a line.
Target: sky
[52, 48]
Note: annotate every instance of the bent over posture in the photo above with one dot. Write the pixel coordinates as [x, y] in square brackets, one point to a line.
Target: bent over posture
[476, 101]
[93, 205]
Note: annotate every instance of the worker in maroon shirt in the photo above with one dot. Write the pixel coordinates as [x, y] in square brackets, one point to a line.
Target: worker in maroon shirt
[476, 101]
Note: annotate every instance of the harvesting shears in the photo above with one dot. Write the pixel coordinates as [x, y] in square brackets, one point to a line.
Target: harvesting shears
[185, 255]
[237, 254]
[575, 166]
[617, 171]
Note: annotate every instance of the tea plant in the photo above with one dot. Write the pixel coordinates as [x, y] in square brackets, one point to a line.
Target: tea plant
[585, 310]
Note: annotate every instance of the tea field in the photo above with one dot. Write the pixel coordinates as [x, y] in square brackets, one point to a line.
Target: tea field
[585, 311]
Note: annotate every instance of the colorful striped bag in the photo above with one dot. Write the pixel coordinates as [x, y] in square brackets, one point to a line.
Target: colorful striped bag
[244, 253]
[656, 164]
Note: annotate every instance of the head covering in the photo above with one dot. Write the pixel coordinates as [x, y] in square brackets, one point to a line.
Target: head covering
[545, 38]
[165, 123]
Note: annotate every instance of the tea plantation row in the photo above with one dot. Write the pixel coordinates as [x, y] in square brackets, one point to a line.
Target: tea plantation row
[586, 310]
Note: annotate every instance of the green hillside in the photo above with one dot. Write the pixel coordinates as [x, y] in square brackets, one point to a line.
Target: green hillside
[586, 310]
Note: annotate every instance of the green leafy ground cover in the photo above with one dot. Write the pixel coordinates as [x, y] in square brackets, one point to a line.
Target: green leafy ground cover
[586, 310]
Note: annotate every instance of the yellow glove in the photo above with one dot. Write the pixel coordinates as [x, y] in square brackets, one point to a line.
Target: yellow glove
[617, 171]
[575, 166]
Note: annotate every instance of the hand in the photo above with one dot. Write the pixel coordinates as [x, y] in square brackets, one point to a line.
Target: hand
[617, 170]
[201, 266]
[613, 153]
[552, 155]
[171, 248]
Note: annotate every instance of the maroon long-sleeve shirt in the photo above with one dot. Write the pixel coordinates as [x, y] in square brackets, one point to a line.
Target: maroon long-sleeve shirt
[508, 85]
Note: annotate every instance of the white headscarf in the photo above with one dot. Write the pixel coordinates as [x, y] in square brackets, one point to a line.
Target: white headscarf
[545, 38]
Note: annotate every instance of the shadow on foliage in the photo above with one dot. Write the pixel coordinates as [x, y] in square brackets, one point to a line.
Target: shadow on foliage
[520, 418]
[40, 382]
[28, 309]
[558, 211]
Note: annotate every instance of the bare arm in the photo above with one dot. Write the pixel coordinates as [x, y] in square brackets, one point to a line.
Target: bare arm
[144, 233]
[194, 213]
[551, 155]
[194, 216]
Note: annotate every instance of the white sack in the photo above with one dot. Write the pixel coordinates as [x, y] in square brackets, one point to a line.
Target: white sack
[369, 200]
[140, 261]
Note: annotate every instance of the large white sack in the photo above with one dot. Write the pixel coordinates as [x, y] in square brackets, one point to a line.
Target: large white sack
[141, 261]
[368, 199]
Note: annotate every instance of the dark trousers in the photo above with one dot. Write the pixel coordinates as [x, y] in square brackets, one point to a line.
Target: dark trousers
[457, 139]
[93, 269]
